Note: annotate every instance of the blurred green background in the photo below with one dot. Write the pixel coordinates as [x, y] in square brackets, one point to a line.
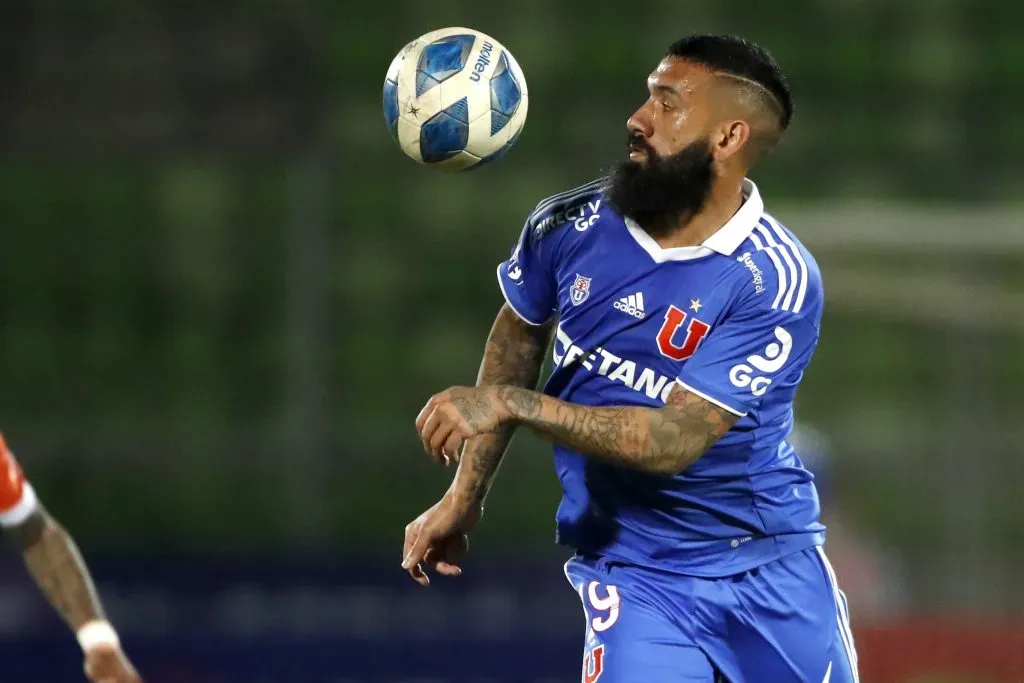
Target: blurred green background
[225, 293]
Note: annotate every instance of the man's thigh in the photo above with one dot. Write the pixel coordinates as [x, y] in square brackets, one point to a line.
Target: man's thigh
[784, 621]
[628, 638]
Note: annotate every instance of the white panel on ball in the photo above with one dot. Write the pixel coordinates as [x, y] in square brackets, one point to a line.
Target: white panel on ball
[455, 98]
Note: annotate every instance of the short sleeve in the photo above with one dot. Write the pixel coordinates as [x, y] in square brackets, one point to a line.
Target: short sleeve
[527, 278]
[17, 499]
[749, 355]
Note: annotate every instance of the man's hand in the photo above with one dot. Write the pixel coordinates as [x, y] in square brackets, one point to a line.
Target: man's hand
[457, 414]
[438, 538]
[108, 664]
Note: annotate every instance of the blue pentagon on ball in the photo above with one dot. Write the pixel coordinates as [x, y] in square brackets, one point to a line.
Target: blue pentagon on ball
[441, 60]
[446, 133]
[501, 151]
[505, 95]
[391, 106]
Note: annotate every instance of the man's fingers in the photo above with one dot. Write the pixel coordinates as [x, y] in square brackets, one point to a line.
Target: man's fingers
[418, 573]
[436, 431]
[429, 406]
[453, 552]
[430, 425]
[448, 569]
[415, 554]
[440, 435]
[452, 446]
[445, 442]
[412, 532]
[109, 666]
[419, 576]
[424, 413]
[415, 548]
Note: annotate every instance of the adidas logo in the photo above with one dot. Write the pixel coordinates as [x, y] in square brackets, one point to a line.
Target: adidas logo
[632, 305]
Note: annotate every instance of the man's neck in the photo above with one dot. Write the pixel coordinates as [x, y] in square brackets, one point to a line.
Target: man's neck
[725, 200]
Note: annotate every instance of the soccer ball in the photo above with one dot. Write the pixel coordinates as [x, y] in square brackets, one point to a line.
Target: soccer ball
[455, 99]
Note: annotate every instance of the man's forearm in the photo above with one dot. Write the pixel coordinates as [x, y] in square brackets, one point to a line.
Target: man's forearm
[479, 464]
[658, 440]
[57, 567]
[513, 356]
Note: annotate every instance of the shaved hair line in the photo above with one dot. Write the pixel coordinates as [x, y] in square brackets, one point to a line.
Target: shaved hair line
[776, 104]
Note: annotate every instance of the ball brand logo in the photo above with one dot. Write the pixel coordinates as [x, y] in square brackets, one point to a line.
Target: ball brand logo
[482, 61]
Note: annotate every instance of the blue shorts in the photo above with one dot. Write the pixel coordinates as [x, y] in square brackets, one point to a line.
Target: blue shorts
[782, 622]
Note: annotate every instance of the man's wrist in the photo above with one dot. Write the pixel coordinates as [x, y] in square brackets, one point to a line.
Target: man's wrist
[97, 633]
[496, 396]
[466, 499]
[515, 404]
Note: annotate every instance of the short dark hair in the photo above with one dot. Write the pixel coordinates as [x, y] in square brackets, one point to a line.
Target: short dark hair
[741, 58]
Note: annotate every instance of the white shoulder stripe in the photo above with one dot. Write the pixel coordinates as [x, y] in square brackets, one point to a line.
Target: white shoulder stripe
[758, 244]
[787, 273]
[794, 274]
[798, 304]
[778, 267]
[568, 195]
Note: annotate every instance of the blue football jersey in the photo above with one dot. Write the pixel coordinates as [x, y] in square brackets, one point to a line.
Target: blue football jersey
[734, 321]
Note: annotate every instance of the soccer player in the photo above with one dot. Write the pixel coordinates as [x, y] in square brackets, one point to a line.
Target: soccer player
[683, 318]
[57, 567]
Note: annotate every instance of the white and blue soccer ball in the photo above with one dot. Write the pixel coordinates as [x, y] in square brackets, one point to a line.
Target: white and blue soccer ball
[455, 98]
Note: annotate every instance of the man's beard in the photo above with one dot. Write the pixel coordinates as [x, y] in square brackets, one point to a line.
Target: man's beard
[661, 191]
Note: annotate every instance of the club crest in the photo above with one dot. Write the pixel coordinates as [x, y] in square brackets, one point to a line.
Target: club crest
[580, 290]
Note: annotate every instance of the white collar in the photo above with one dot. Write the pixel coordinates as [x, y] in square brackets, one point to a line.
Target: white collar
[724, 241]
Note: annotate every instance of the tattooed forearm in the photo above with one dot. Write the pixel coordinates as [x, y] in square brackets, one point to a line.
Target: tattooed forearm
[687, 427]
[57, 567]
[662, 441]
[513, 356]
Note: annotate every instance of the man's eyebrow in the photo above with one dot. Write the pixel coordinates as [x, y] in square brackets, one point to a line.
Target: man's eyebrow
[665, 89]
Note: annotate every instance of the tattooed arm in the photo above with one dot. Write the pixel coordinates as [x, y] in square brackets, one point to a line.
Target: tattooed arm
[438, 538]
[513, 356]
[658, 440]
[57, 568]
[50, 554]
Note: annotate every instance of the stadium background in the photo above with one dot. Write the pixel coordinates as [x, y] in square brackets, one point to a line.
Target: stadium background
[225, 294]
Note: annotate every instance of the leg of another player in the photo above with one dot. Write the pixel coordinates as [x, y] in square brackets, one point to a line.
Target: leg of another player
[629, 639]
